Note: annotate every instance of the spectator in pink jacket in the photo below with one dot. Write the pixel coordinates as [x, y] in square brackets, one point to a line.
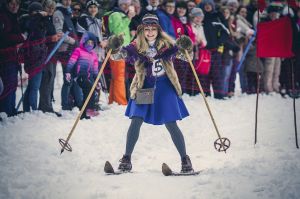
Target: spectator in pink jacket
[181, 21]
[182, 26]
[82, 66]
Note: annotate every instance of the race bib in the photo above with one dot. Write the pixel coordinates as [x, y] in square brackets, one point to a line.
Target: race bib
[157, 68]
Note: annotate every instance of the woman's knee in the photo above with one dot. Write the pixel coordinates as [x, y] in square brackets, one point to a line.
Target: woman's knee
[137, 120]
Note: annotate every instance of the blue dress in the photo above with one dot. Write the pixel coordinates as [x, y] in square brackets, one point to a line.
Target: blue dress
[167, 106]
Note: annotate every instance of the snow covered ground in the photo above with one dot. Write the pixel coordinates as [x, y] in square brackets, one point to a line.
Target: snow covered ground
[31, 166]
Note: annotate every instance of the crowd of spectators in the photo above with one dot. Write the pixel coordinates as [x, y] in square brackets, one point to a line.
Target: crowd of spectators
[220, 31]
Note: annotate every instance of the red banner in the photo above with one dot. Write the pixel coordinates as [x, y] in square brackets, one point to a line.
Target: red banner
[274, 38]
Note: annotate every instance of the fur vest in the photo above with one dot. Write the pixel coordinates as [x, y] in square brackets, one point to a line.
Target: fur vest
[165, 55]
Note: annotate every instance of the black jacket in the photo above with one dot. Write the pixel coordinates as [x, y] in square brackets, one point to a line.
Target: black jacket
[10, 35]
[214, 26]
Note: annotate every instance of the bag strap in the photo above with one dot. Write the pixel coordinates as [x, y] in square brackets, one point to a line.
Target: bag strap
[155, 80]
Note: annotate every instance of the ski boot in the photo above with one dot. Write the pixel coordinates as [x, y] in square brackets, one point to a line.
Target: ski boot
[125, 164]
[186, 165]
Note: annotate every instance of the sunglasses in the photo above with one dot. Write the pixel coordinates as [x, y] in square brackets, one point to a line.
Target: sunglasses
[77, 9]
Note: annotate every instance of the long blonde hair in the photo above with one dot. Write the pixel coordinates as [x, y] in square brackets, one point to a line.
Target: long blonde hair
[163, 40]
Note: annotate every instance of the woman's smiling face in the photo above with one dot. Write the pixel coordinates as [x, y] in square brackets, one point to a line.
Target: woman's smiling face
[150, 33]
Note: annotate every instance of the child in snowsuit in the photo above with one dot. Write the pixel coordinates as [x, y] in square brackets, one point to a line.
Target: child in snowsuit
[152, 54]
[82, 62]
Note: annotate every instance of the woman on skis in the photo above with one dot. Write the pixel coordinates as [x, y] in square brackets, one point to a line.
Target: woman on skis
[152, 54]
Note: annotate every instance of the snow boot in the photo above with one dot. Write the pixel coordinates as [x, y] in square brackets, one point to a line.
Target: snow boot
[186, 165]
[125, 164]
[85, 116]
[58, 114]
[92, 112]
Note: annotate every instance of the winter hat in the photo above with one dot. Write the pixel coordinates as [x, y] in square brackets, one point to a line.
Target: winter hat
[196, 12]
[124, 2]
[211, 2]
[150, 19]
[92, 2]
[35, 6]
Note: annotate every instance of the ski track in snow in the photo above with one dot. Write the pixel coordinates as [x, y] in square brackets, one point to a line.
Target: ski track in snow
[31, 166]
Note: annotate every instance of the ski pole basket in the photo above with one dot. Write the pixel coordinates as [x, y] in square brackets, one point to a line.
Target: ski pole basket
[63, 144]
[222, 144]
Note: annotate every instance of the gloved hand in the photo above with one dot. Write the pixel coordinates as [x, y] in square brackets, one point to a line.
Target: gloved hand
[68, 77]
[184, 43]
[115, 42]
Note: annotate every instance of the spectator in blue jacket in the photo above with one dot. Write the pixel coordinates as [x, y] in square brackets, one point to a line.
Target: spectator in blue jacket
[164, 15]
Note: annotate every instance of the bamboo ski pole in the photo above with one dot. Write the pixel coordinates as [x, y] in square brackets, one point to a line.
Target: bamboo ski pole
[64, 143]
[206, 103]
